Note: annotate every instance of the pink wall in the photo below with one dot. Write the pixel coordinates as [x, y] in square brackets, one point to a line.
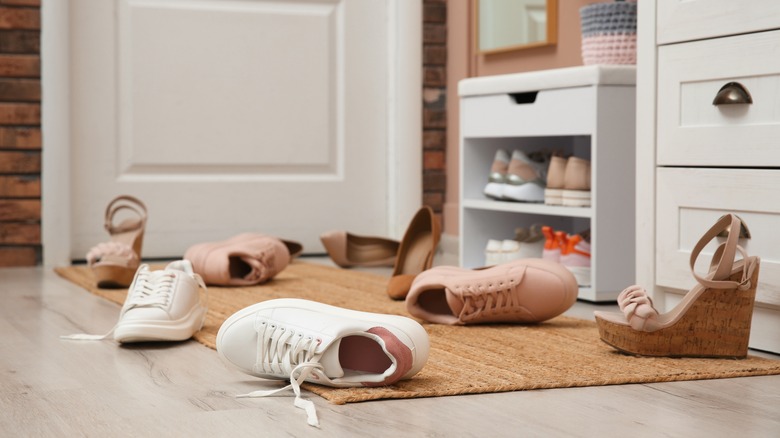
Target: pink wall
[463, 63]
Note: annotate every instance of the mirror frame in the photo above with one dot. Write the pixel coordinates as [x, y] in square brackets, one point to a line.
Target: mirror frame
[552, 32]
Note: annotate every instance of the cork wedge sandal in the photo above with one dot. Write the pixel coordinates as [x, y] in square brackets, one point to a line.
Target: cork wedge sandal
[114, 262]
[712, 320]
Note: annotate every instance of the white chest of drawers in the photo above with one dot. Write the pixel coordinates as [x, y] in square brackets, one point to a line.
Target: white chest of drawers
[696, 159]
[586, 111]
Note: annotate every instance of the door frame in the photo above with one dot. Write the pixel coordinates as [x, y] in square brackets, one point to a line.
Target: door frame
[404, 122]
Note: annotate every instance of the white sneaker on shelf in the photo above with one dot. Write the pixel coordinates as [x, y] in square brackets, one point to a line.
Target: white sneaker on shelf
[510, 250]
[497, 178]
[525, 178]
[300, 340]
[163, 305]
[493, 255]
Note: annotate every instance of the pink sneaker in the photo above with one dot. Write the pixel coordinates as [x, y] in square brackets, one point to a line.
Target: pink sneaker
[577, 259]
[243, 260]
[523, 291]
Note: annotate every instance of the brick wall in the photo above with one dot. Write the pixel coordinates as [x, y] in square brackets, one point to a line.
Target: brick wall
[20, 133]
[434, 103]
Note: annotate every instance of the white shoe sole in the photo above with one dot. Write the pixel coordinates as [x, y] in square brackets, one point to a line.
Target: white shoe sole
[576, 198]
[152, 330]
[494, 190]
[417, 337]
[553, 196]
[528, 192]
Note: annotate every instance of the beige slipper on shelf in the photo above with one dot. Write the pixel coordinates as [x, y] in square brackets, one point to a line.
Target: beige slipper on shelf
[243, 260]
[114, 262]
[348, 250]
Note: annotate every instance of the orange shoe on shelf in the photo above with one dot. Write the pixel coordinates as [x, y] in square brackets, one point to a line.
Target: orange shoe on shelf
[576, 258]
[114, 263]
[416, 252]
[551, 251]
[712, 320]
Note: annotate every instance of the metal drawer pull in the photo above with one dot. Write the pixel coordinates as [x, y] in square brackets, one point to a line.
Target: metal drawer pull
[744, 232]
[732, 93]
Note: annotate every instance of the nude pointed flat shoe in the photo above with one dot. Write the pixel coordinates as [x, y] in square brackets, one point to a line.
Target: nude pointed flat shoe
[114, 262]
[712, 320]
[348, 250]
[243, 260]
[415, 253]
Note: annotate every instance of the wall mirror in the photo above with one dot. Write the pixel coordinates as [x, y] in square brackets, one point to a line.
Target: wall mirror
[505, 25]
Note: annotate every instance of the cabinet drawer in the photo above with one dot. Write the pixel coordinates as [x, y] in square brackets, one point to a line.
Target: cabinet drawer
[694, 131]
[683, 216]
[698, 19]
[542, 114]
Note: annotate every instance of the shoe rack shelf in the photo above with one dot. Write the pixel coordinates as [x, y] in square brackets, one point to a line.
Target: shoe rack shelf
[586, 111]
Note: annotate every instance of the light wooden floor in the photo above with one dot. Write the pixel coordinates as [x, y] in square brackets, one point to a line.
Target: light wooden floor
[50, 387]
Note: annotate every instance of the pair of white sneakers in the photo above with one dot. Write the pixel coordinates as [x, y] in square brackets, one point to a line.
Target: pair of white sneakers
[163, 305]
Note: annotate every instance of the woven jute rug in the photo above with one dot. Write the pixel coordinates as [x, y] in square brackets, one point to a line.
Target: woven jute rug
[560, 353]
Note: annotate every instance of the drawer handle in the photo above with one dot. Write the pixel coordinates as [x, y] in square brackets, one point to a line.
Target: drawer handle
[732, 93]
[522, 98]
[744, 232]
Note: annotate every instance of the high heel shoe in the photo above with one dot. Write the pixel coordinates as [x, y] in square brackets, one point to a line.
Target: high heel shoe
[114, 263]
[712, 320]
[416, 252]
[347, 249]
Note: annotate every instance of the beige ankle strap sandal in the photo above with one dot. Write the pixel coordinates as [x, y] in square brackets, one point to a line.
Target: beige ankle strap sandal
[712, 320]
[114, 262]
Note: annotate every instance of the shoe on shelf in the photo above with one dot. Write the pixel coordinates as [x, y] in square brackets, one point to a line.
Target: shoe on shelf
[114, 263]
[553, 193]
[243, 260]
[531, 240]
[348, 250]
[510, 250]
[552, 249]
[497, 179]
[415, 255]
[525, 180]
[521, 291]
[576, 258]
[712, 320]
[576, 183]
[162, 305]
[493, 254]
[300, 340]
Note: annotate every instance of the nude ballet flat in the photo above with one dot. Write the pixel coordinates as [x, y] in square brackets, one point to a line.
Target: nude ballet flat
[114, 263]
[416, 252]
[712, 320]
[347, 250]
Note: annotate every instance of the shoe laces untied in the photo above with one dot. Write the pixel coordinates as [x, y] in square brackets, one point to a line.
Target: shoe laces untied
[149, 289]
[282, 351]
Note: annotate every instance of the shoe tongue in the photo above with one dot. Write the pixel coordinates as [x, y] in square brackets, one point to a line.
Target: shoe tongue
[330, 361]
[455, 302]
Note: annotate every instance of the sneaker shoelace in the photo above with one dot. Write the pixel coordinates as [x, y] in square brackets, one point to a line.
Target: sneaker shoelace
[151, 289]
[282, 351]
[488, 301]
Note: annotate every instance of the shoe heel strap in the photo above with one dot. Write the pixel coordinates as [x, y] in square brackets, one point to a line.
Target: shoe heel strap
[125, 202]
[723, 259]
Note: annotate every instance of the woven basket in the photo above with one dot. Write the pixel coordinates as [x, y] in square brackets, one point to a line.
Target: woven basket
[609, 33]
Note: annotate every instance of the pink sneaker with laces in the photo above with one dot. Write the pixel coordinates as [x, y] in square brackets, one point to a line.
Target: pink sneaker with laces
[522, 291]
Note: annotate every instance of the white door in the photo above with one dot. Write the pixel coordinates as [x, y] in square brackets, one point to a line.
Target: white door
[227, 116]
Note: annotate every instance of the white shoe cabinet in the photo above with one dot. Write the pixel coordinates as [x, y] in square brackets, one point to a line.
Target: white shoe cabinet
[586, 111]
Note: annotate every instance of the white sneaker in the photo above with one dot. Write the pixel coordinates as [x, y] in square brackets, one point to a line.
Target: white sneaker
[525, 178]
[493, 254]
[304, 340]
[161, 305]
